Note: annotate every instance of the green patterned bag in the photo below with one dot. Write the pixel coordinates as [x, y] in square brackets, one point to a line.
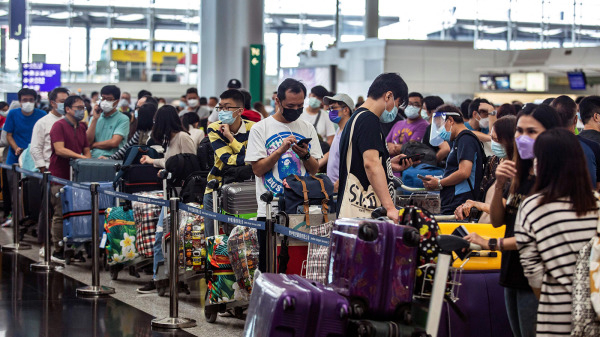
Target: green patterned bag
[220, 285]
[120, 236]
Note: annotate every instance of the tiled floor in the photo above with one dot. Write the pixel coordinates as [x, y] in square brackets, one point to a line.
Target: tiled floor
[39, 304]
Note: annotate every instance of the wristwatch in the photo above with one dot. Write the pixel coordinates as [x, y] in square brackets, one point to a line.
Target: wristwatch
[440, 187]
[493, 243]
[306, 157]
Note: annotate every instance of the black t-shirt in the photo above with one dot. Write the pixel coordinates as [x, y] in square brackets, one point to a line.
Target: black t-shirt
[592, 135]
[466, 146]
[367, 136]
[592, 157]
[511, 271]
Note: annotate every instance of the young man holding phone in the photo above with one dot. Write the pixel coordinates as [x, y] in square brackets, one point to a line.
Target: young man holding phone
[275, 148]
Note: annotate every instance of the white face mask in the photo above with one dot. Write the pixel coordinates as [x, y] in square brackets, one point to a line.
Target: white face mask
[484, 123]
[107, 106]
[27, 107]
[192, 103]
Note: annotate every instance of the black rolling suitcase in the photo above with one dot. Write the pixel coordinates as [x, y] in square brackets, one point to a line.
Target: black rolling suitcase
[140, 178]
[32, 200]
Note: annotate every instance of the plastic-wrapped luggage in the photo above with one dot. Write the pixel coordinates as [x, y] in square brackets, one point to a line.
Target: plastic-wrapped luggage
[373, 263]
[93, 170]
[239, 199]
[146, 217]
[221, 277]
[429, 201]
[192, 248]
[289, 305]
[120, 236]
[243, 247]
[77, 210]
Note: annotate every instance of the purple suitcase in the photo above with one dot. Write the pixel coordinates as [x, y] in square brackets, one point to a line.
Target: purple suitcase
[289, 305]
[373, 263]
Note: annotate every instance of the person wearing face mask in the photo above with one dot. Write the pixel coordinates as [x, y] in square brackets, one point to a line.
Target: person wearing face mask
[464, 165]
[40, 147]
[411, 129]
[69, 141]
[340, 110]
[514, 182]
[229, 139]
[503, 139]
[274, 150]
[109, 129]
[3, 113]
[316, 116]
[365, 174]
[124, 105]
[482, 115]
[144, 122]
[430, 104]
[589, 110]
[191, 122]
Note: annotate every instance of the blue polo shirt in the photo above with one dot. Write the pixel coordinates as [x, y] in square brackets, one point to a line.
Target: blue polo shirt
[106, 128]
[21, 127]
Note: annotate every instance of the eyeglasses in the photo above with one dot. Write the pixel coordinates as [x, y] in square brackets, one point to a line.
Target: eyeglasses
[224, 108]
[415, 104]
[78, 107]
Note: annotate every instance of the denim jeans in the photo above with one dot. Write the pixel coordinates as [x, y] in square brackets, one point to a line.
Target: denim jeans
[521, 307]
[158, 252]
[209, 229]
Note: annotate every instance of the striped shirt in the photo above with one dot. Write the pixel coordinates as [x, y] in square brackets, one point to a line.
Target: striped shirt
[232, 154]
[134, 140]
[549, 238]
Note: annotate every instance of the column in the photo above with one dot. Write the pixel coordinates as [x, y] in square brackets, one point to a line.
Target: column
[371, 18]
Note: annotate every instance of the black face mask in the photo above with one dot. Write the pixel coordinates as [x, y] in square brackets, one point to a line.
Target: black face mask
[291, 115]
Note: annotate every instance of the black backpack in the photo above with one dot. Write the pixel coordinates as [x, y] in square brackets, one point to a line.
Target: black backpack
[193, 188]
[206, 154]
[414, 147]
[182, 166]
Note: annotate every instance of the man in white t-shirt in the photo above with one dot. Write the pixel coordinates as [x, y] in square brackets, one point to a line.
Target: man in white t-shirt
[274, 152]
[316, 116]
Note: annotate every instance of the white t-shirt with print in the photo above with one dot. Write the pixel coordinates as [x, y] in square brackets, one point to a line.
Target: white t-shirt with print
[265, 138]
[325, 126]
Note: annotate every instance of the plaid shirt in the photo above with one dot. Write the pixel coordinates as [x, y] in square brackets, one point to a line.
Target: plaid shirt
[146, 217]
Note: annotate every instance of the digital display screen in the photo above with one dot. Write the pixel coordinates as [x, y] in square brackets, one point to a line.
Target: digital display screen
[577, 80]
[486, 82]
[41, 77]
[502, 82]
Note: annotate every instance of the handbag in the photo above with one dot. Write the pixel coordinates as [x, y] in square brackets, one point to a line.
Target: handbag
[306, 191]
[355, 196]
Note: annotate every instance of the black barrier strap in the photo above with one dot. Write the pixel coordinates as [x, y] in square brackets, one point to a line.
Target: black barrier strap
[222, 217]
[133, 197]
[302, 236]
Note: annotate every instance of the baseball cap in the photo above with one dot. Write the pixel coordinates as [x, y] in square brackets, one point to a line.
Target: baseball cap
[234, 84]
[339, 98]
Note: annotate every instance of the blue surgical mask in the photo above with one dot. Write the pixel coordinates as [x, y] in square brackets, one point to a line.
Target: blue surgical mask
[424, 114]
[79, 115]
[60, 107]
[445, 134]
[389, 116]
[226, 117]
[135, 114]
[273, 104]
[314, 103]
[412, 112]
[334, 116]
[498, 150]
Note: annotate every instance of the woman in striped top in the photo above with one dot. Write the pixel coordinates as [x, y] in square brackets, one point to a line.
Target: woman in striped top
[553, 224]
[145, 117]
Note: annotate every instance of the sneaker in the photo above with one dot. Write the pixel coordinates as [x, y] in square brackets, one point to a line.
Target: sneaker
[58, 257]
[147, 289]
[7, 223]
[42, 252]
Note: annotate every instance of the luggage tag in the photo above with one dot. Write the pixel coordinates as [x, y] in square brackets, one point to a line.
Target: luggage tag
[103, 241]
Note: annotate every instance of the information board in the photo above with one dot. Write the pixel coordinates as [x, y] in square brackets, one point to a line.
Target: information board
[41, 77]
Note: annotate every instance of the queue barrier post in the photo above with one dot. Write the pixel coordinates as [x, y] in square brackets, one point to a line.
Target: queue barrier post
[173, 321]
[95, 290]
[46, 265]
[270, 233]
[16, 219]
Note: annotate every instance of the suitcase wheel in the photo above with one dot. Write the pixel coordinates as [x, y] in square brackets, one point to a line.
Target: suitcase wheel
[211, 317]
[404, 313]
[365, 331]
[357, 308]
[133, 272]
[238, 312]
[161, 291]
[114, 274]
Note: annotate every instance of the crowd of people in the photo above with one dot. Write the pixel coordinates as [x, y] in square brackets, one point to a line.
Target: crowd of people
[528, 167]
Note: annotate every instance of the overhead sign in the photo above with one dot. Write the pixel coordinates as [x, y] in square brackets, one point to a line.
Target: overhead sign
[256, 72]
[17, 17]
[41, 77]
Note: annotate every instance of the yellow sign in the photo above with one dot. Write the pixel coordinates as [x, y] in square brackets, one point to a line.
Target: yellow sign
[139, 56]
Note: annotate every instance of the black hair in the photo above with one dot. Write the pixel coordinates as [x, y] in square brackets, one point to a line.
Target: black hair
[292, 85]
[166, 122]
[213, 97]
[247, 99]
[415, 94]
[236, 95]
[563, 176]
[189, 119]
[151, 100]
[506, 109]
[143, 93]
[589, 106]
[94, 93]
[71, 100]
[389, 82]
[464, 107]
[111, 90]
[566, 108]
[27, 92]
[319, 91]
[54, 93]
[451, 108]
[203, 101]
[474, 106]
[433, 102]
[191, 91]
[547, 101]
[3, 105]
[505, 128]
[517, 107]
[145, 119]
[578, 99]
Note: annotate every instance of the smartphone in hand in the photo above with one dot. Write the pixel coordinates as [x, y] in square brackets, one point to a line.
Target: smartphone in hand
[304, 141]
[422, 177]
